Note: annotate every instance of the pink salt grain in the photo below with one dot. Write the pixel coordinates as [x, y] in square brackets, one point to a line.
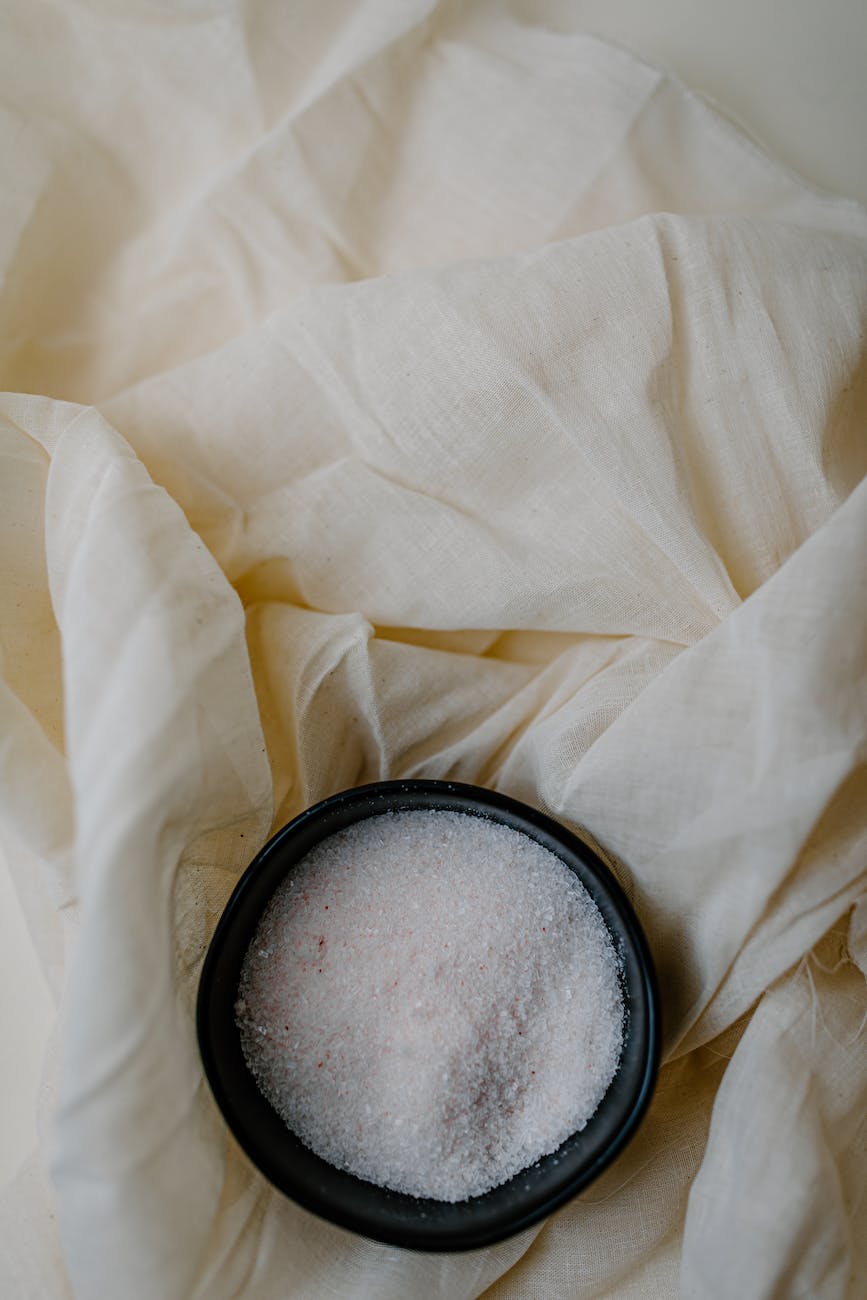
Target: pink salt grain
[432, 1002]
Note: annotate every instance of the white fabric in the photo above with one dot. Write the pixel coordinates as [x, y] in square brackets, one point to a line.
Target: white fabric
[401, 389]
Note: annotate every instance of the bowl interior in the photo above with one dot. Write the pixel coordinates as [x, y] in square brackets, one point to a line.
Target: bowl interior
[341, 1197]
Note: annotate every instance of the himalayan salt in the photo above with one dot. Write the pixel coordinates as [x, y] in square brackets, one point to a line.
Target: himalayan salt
[432, 1001]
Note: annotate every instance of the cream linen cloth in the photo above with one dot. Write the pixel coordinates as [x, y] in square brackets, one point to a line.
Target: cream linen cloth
[402, 389]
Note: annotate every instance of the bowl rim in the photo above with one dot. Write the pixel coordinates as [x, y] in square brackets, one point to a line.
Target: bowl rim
[493, 803]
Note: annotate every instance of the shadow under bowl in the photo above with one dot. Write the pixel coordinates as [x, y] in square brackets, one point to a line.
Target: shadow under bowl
[351, 1202]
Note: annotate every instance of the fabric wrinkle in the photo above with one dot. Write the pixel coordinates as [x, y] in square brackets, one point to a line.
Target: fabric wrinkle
[427, 390]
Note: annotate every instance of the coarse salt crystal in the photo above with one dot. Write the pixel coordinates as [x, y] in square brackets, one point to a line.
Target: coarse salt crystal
[432, 1002]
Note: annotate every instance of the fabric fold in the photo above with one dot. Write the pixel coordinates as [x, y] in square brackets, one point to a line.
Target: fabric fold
[426, 390]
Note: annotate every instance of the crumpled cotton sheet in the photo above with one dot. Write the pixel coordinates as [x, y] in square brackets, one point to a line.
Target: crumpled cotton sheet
[401, 389]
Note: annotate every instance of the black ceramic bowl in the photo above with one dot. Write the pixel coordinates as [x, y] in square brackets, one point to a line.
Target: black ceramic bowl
[349, 1201]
